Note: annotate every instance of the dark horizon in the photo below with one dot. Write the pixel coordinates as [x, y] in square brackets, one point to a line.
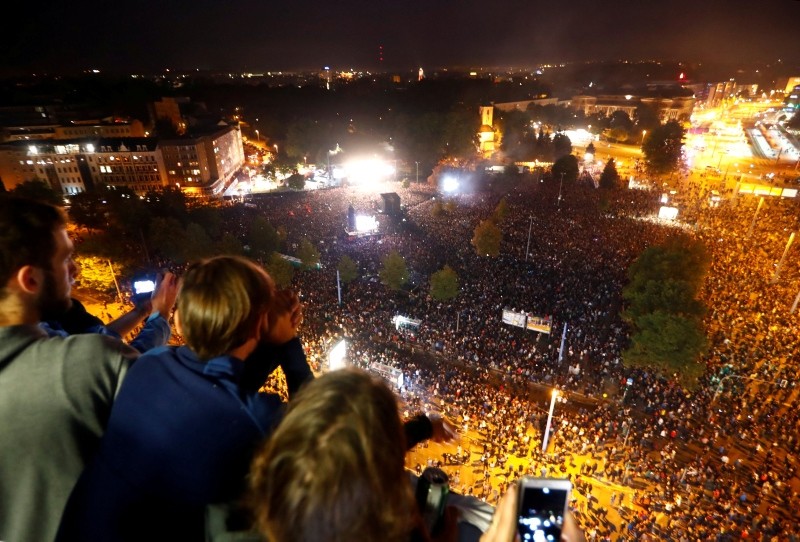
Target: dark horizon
[150, 36]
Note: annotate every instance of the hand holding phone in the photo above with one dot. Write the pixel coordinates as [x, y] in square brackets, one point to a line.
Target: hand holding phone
[541, 508]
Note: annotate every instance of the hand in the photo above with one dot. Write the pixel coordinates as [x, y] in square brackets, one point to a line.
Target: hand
[284, 317]
[165, 294]
[504, 521]
[442, 430]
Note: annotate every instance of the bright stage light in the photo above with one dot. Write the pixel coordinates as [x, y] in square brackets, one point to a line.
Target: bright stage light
[364, 171]
[449, 183]
[366, 223]
[668, 213]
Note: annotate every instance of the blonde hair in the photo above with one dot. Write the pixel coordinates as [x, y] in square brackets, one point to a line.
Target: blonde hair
[221, 302]
[334, 468]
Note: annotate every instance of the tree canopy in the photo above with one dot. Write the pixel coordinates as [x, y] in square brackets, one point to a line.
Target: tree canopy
[609, 178]
[280, 270]
[568, 165]
[38, 190]
[444, 284]
[308, 254]
[487, 238]
[348, 269]
[663, 307]
[662, 148]
[394, 272]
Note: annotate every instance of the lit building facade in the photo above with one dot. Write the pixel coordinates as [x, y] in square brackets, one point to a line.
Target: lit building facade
[204, 165]
[72, 167]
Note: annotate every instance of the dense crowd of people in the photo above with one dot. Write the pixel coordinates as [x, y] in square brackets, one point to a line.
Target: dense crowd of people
[712, 463]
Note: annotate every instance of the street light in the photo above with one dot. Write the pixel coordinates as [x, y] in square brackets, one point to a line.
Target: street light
[777, 274]
[559, 190]
[546, 437]
[644, 133]
[417, 171]
[258, 137]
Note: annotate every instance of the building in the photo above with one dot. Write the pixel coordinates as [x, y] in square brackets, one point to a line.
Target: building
[204, 165]
[486, 135]
[524, 105]
[73, 166]
[669, 102]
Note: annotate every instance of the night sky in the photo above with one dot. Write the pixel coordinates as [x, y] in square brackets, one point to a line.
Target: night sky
[261, 35]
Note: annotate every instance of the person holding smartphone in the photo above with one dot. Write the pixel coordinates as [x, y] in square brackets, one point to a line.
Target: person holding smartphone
[509, 519]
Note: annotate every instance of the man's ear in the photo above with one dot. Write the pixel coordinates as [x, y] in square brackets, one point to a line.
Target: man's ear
[29, 279]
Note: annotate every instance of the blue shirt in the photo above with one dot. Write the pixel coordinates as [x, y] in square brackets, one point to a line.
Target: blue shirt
[181, 435]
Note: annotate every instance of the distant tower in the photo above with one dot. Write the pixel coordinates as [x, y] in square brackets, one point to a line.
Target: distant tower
[328, 77]
[421, 75]
[486, 135]
[380, 55]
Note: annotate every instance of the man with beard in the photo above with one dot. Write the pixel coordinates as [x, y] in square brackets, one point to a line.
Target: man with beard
[55, 392]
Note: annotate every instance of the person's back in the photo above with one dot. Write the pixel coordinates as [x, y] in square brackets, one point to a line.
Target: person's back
[183, 428]
[178, 439]
[55, 393]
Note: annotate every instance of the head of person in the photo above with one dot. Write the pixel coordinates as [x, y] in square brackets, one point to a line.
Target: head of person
[223, 304]
[36, 264]
[334, 468]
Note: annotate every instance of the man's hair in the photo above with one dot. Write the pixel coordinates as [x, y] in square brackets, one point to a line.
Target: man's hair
[334, 468]
[220, 303]
[27, 235]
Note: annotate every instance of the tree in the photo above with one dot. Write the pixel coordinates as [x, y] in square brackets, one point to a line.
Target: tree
[38, 190]
[444, 284]
[590, 148]
[487, 238]
[87, 209]
[229, 244]
[646, 118]
[199, 244]
[501, 210]
[562, 146]
[394, 273]
[168, 238]
[262, 238]
[610, 177]
[167, 202]
[670, 344]
[568, 165]
[280, 270]
[348, 269]
[308, 254]
[662, 148]
[95, 274]
[296, 181]
[664, 309]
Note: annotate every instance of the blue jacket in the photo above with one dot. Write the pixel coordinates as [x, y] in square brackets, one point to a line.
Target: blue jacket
[181, 435]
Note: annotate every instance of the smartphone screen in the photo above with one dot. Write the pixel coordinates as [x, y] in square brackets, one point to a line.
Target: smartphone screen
[542, 506]
[144, 286]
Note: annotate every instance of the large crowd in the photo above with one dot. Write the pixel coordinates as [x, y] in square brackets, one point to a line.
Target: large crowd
[717, 462]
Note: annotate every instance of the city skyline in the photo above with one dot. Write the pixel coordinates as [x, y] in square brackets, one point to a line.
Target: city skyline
[303, 35]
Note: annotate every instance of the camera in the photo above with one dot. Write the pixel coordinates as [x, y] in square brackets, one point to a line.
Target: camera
[542, 506]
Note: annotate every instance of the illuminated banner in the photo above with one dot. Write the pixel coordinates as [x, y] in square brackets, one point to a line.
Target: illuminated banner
[542, 324]
[514, 318]
[392, 374]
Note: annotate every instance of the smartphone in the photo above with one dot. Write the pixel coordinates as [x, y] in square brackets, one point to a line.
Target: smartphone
[541, 507]
[143, 288]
